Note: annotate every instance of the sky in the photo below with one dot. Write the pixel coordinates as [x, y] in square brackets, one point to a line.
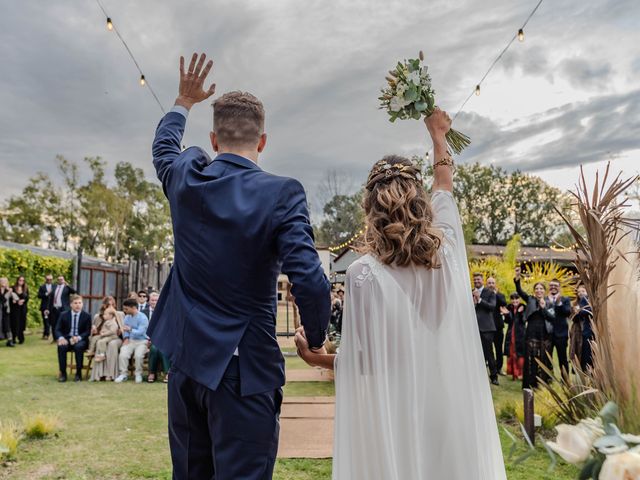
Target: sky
[569, 95]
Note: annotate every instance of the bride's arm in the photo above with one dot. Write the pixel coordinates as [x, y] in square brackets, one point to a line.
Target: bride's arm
[315, 359]
[438, 125]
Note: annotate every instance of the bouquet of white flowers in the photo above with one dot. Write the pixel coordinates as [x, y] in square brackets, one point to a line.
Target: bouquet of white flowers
[409, 95]
[598, 445]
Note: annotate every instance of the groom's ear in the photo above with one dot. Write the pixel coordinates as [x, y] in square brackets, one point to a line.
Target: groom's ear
[262, 143]
[214, 141]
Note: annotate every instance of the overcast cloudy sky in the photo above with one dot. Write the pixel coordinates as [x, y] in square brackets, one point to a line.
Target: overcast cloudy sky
[569, 94]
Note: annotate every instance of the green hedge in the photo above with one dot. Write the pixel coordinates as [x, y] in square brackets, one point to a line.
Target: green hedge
[33, 267]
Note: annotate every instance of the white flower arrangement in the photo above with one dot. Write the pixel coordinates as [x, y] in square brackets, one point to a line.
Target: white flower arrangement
[598, 445]
[409, 95]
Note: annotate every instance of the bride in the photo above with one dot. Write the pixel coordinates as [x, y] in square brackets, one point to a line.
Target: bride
[412, 397]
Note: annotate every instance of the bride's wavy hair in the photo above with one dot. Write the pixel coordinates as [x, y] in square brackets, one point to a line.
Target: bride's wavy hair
[398, 215]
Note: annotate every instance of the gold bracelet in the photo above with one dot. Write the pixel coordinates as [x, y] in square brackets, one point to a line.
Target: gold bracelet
[445, 162]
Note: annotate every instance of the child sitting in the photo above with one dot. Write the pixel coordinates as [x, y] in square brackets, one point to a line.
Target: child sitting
[107, 331]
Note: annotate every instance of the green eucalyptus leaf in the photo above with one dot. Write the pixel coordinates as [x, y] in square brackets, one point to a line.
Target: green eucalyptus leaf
[609, 441]
[587, 470]
[421, 106]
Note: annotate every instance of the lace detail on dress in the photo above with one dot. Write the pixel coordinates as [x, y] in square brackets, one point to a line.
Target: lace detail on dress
[370, 268]
[446, 250]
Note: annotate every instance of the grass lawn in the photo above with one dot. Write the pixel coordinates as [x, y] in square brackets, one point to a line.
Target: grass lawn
[113, 431]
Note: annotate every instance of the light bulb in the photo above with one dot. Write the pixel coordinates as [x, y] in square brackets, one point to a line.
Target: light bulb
[477, 89]
[142, 80]
[109, 24]
[521, 35]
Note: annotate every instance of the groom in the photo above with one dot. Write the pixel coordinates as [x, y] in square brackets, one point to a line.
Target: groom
[236, 227]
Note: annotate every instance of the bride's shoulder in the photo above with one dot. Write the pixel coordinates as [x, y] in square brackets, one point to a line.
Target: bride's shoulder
[364, 269]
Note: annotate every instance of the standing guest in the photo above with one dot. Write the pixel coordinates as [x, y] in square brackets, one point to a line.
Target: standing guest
[498, 318]
[584, 314]
[156, 357]
[5, 309]
[108, 370]
[514, 343]
[46, 304]
[61, 300]
[485, 304]
[562, 311]
[142, 300]
[19, 308]
[72, 331]
[539, 317]
[135, 340]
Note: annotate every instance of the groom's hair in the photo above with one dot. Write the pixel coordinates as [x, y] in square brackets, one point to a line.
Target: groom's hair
[238, 119]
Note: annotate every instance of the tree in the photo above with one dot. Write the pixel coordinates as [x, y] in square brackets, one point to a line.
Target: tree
[130, 218]
[343, 217]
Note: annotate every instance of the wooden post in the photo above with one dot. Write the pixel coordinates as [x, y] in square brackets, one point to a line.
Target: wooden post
[529, 426]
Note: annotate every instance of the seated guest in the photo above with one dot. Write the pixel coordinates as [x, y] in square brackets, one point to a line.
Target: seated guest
[108, 370]
[72, 332]
[142, 300]
[156, 357]
[135, 340]
[107, 330]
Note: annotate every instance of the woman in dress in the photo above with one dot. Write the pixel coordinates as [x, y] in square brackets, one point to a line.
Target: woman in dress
[514, 342]
[5, 309]
[19, 308]
[539, 319]
[412, 396]
[107, 369]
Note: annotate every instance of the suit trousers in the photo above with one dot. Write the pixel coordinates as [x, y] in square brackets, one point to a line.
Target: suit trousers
[487, 350]
[219, 434]
[561, 344]
[137, 348]
[78, 349]
[46, 325]
[498, 344]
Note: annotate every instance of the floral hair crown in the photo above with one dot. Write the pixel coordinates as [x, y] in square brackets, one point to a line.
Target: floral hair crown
[385, 170]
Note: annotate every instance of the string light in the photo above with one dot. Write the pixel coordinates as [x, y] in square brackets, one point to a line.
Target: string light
[348, 242]
[143, 80]
[520, 36]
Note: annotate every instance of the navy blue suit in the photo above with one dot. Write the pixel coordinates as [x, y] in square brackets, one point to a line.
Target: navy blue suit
[64, 330]
[560, 339]
[235, 229]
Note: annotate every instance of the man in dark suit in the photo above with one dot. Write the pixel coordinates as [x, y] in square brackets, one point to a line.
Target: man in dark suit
[498, 319]
[236, 227]
[72, 333]
[45, 294]
[60, 301]
[562, 309]
[485, 302]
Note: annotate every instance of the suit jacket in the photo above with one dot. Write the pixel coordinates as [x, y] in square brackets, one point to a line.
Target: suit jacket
[485, 309]
[498, 319]
[562, 311]
[63, 325]
[67, 291]
[46, 301]
[147, 312]
[235, 229]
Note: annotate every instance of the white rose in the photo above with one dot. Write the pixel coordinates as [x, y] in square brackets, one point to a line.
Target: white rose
[627, 437]
[414, 77]
[397, 103]
[573, 443]
[622, 466]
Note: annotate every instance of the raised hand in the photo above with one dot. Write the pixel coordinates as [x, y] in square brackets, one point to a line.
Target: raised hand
[191, 90]
[438, 123]
[518, 272]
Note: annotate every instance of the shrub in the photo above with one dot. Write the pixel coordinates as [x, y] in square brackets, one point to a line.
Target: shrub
[40, 425]
[9, 439]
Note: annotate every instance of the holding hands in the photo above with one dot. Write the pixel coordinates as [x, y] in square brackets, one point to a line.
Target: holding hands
[191, 90]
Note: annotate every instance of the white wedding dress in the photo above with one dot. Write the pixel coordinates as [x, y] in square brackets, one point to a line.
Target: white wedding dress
[412, 395]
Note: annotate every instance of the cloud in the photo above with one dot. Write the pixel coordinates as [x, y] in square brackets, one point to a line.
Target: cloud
[68, 86]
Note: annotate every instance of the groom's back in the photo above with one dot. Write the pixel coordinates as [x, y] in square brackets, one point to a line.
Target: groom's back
[236, 228]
